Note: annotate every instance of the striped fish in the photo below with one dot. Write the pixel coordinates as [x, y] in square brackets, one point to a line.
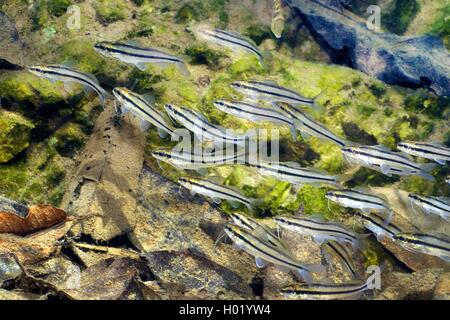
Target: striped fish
[433, 205]
[255, 113]
[266, 253]
[292, 172]
[229, 39]
[308, 126]
[139, 56]
[342, 253]
[189, 160]
[258, 229]
[271, 92]
[141, 107]
[363, 201]
[378, 226]
[327, 291]
[217, 191]
[386, 161]
[320, 230]
[425, 243]
[428, 150]
[447, 179]
[201, 127]
[278, 18]
[68, 75]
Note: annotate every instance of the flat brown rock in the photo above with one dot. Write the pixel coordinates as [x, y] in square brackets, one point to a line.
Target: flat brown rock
[102, 191]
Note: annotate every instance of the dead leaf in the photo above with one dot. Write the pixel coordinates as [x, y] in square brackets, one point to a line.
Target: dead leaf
[39, 217]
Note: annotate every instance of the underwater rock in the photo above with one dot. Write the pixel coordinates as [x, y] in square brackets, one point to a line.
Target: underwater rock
[7, 205]
[199, 276]
[412, 61]
[110, 279]
[9, 268]
[9, 41]
[178, 237]
[409, 220]
[36, 247]
[442, 289]
[19, 295]
[102, 191]
[90, 254]
[409, 286]
[14, 134]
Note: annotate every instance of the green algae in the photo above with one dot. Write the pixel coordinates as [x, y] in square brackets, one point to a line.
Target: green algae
[397, 18]
[201, 54]
[109, 11]
[14, 135]
[58, 7]
[67, 140]
[24, 87]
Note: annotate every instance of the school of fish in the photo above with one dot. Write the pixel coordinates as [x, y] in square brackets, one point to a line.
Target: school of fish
[266, 101]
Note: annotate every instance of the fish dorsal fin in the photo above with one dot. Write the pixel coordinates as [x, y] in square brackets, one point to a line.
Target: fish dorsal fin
[149, 98]
[362, 189]
[200, 115]
[216, 179]
[260, 233]
[71, 65]
[132, 42]
[382, 147]
[293, 164]
[230, 32]
[436, 144]
[317, 217]
[443, 199]
[271, 82]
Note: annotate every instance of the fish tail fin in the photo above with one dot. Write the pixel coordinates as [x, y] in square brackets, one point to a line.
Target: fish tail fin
[255, 203]
[426, 176]
[305, 276]
[359, 243]
[306, 270]
[293, 132]
[317, 107]
[183, 69]
[427, 167]
[342, 179]
[316, 268]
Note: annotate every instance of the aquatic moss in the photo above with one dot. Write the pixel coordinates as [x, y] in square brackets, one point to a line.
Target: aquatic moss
[398, 17]
[420, 101]
[246, 66]
[354, 133]
[201, 54]
[58, 7]
[313, 201]
[40, 16]
[109, 11]
[193, 10]
[259, 33]
[368, 177]
[24, 87]
[67, 140]
[415, 184]
[441, 25]
[14, 135]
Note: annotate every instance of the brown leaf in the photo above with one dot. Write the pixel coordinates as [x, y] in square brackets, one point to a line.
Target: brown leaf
[39, 217]
[44, 216]
[12, 223]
